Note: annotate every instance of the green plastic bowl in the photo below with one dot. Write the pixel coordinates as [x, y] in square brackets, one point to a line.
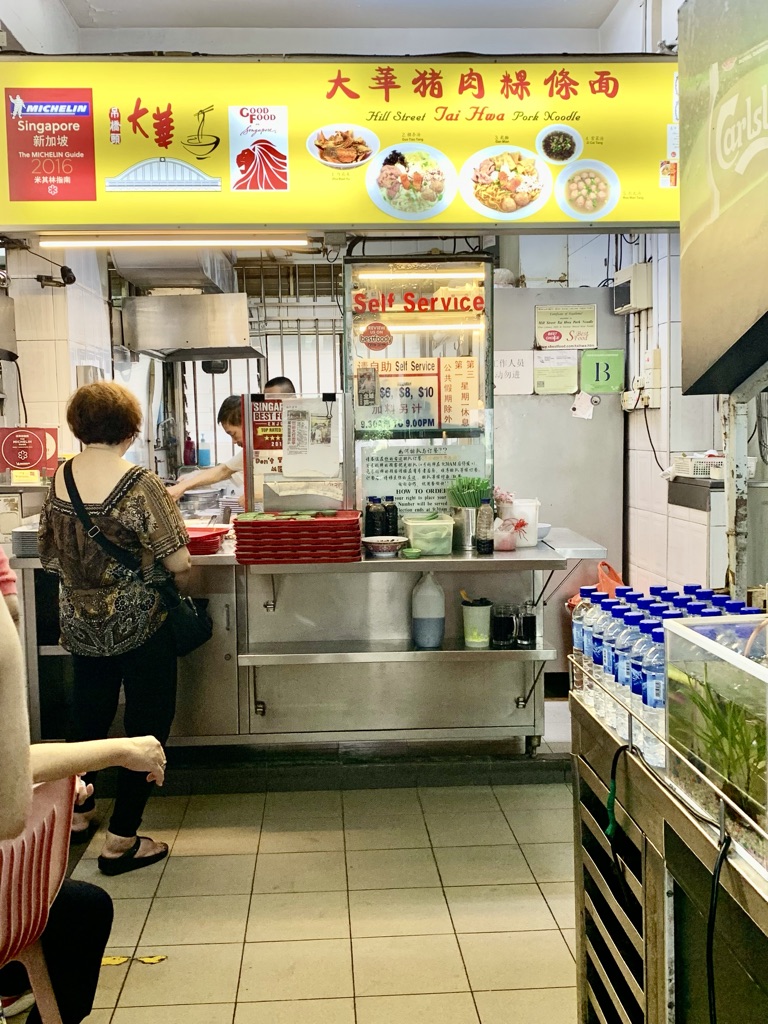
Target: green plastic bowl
[411, 552]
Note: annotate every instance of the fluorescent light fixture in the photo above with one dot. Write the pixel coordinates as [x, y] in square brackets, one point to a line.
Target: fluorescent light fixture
[396, 328]
[399, 275]
[171, 243]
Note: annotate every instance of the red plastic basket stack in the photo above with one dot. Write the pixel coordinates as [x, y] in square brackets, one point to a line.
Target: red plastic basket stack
[205, 540]
[320, 539]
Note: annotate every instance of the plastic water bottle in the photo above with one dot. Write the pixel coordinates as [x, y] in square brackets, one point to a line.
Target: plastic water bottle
[656, 609]
[720, 600]
[621, 592]
[654, 700]
[577, 630]
[691, 588]
[728, 637]
[734, 607]
[639, 649]
[612, 631]
[711, 613]
[705, 595]
[588, 622]
[752, 634]
[633, 597]
[203, 453]
[695, 609]
[668, 595]
[484, 528]
[644, 604]
[657, 589]
[428, 612]
[624, 643]
[598, 629]
[671, 613]
[682, 601]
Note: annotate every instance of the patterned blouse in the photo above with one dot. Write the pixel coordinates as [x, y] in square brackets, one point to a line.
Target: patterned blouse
[106, 609]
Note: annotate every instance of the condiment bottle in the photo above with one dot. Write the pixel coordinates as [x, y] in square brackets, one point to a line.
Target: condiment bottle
[526, 634]
[484, 528]
[391, 510]
[428, 612]
[368, 522]
[376, 519]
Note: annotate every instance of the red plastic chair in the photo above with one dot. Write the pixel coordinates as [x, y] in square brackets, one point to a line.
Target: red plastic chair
[32, 868]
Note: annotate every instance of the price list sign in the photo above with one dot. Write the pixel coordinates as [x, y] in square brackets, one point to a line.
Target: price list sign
[418, 477]
[416, 394]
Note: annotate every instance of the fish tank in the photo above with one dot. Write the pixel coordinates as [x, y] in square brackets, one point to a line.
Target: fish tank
[717, 705]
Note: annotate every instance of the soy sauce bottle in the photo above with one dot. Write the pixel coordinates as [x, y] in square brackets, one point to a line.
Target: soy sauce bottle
[390, 509]
[375, 519]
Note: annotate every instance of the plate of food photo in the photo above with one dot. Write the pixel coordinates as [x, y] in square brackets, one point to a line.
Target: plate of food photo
[587, 189]
[411, 181]
[505, 182]
[342, 145]
[559, 144]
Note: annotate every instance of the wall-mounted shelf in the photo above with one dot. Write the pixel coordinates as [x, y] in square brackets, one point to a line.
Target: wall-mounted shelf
[331, 652]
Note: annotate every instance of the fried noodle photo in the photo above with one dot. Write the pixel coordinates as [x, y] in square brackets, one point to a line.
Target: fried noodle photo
[342, 147]
[507, 182]
[411, 185]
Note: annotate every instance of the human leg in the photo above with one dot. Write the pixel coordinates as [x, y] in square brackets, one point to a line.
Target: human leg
[96, 692]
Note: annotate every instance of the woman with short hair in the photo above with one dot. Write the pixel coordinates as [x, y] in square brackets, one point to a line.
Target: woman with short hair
[113, 620]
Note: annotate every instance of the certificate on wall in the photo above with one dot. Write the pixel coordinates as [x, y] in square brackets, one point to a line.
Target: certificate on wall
[566, 326]
[556, 373]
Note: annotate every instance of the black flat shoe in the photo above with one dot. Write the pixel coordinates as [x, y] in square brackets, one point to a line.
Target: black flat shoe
[128, 861]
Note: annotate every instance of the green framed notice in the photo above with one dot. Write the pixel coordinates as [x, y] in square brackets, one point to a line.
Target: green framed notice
[602, 371]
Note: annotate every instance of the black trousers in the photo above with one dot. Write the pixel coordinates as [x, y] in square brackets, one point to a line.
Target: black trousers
[73, 942]
[148, 677]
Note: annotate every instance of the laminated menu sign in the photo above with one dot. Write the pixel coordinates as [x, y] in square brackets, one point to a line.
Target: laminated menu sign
[416, 394]
[267, 427]
[311, 437]
[418, 476]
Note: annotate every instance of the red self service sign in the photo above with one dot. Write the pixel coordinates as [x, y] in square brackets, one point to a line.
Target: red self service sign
[49, 133]
[29, 448]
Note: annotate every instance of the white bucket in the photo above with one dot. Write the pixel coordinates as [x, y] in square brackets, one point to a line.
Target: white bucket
[527, 509]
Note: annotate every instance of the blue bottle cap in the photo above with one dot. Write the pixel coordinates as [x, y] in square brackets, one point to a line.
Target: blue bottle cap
[619, 610]
[696, 607]
[621, 591]
[691, 588]
[667, 595]
[719, 600]
[734, 607]
[647, 626]
[703, 594]
[389, 497]
[656, 589]
[658, 636]
[751, 611]
[672, 613]
[608, 603]
[587, 591]
[657, 608]
[681, 601]
[711, 613]
[485, 501]
[633, 618]
[644, 603]
[633, 596]
[598, 596]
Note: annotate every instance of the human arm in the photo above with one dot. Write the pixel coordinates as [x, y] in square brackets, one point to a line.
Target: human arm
[58, 760]
[204, 477]
[8, 586]
[16, 774]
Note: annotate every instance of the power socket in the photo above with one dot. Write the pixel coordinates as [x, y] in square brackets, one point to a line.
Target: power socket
[652, 398]
[631, 400]
[652, 369]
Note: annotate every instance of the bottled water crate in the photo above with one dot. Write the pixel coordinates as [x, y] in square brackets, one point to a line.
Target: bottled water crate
[716, 713]
[711, 468]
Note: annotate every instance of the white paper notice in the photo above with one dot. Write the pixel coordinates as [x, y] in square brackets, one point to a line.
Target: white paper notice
[513, 373]
[556, 373]
[582, 406]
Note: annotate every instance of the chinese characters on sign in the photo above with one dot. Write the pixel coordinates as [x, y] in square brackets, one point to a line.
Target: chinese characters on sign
[573, 326]
[50, 144]
[418, 477]
[416, 394]
[513, 372]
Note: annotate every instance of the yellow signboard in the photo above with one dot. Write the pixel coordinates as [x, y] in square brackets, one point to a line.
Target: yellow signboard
[570, 141]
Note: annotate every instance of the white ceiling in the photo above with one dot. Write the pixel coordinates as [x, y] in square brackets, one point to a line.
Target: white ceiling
[341, 14]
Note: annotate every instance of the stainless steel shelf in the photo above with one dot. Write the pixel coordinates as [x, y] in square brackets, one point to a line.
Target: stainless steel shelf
[333, 652]
[52, 651]
[523, 560]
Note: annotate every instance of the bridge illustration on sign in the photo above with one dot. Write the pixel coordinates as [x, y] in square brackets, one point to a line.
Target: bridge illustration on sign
[162, 174]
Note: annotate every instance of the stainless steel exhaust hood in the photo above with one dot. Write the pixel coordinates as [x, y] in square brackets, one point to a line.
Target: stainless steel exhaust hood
[182, 327]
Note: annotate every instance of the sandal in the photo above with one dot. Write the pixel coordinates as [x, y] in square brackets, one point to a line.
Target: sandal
[82, 835]
[128, 861]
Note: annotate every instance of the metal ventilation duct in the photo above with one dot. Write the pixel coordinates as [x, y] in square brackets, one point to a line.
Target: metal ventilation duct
[180, 327]
[211, 270]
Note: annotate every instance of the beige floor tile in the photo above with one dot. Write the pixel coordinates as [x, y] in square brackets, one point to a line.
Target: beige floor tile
[208, 876]
[569, 934]
[165, 812]
[534, 797]
[300, 872]
[276, 917]
[137, 884]
[498, 908]
[550, 862]
[379, 912]
[534, 1006]
[193, 920]
[301, 1011]
[227, 810]
[561, 897]
[130, 916]
[452, 1008]
[296, 836]
[507, 960]
[296, 970]
[95, 1017]
[191, 975]
[378, 803]
[111, 979]
[391, 869]
[458, 800]
[202, 841]
[554, 825]
[469, 829]
[210, 1013]
[482, 865]
[398, 832]
[408, 965]
[323, 803]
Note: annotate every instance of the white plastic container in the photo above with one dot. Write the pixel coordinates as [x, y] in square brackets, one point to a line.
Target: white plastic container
[527, 509]
[428, 612]
[430, 536]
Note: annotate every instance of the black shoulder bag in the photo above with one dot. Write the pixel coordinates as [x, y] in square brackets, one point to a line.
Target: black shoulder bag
[190, 623]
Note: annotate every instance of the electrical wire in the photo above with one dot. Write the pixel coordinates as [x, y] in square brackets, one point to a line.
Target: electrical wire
[21, 393]
[650, 439]
[721, 856]
[754, 431]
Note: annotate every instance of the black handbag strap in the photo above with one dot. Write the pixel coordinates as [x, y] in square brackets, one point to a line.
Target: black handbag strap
[113, 550]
